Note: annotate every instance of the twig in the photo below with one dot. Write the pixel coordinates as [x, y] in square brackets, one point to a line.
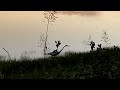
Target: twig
[7, 53]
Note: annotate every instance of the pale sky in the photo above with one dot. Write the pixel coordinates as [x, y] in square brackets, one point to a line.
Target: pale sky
[20, 30]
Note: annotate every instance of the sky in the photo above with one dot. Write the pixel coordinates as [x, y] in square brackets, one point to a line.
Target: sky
[20, 30]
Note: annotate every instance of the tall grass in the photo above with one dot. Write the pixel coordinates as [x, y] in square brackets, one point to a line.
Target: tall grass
[103, 64]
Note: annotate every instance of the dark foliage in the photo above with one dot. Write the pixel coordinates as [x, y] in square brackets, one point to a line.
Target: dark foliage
[102, 64]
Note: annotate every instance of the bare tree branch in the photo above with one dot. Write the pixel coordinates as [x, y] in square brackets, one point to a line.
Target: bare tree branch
[7, 53]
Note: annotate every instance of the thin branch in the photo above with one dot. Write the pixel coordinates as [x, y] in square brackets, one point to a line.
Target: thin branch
[50, 16]
[7, 53]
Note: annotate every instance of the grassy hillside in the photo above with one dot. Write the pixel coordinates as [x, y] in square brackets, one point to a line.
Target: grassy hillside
[103, 64]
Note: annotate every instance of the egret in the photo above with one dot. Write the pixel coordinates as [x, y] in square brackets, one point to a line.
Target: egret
[56, 52]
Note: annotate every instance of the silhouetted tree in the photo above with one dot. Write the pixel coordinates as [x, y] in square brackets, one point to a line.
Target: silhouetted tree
[105, 38]
[50, 17]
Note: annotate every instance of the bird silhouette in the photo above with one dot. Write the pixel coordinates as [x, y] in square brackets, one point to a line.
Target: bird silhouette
[56, 52]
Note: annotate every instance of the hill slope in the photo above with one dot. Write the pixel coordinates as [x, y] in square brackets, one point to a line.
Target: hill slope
[103, 64]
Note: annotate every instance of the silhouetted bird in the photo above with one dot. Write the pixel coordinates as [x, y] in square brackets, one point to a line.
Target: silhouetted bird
[56, 52]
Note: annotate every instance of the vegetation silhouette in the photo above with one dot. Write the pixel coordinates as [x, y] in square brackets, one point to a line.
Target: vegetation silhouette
[92, 44]
[102, 63]
[57, 44]
[99, 47]
[81, 65]
[105, 38]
